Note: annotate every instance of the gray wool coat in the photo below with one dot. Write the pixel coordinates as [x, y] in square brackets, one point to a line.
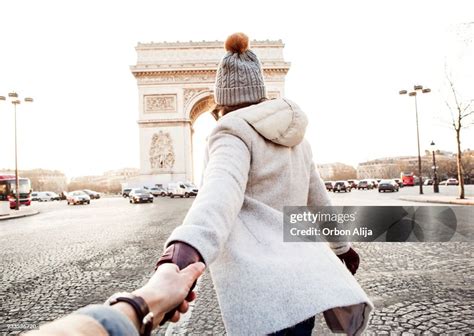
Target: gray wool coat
[258, 162]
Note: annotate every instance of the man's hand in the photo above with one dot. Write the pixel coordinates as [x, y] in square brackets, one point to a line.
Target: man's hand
[182, 255]
[351, 259]
[169, 288]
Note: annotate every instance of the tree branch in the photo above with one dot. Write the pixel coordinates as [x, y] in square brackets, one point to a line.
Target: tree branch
[467, 106]
[467, 114]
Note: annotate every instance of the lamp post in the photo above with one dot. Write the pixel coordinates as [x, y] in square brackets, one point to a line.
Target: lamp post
[15, 100]
[435, 173]
[414, 94]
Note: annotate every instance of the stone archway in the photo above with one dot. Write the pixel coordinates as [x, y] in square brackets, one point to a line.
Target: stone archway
[201, 106]
[175, 83]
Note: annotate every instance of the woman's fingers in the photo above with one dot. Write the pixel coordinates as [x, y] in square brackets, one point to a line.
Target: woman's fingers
[191, 297]
[175, 317]
[183, 307]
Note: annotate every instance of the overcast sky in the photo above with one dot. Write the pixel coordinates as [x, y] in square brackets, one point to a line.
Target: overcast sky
[349, 59]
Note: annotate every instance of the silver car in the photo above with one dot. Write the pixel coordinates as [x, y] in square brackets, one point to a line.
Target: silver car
[78, 197]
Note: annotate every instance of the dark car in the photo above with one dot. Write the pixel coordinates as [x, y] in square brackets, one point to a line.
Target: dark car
[341, 186]
[126, 192]
[365, 185]
[328, 185]
[353, 183]
[388, 185]
[92, 194]
[140, 196]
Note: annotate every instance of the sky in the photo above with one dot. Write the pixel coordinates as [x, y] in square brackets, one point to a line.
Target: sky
[348, 60]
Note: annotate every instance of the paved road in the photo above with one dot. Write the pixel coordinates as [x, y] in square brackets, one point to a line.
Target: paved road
[69, 256]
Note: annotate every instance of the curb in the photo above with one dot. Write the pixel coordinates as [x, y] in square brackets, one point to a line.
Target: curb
[14, 216]
[427, 200]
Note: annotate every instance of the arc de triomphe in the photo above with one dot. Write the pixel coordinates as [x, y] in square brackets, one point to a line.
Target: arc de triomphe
[175, 86]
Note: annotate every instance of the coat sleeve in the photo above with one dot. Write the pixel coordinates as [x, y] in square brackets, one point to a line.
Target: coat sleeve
[318, 196]
[210, 219]
[92, 320]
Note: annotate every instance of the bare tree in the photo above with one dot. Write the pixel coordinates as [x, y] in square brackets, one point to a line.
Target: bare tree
[344, 172]
[461, 117]
[461, 109]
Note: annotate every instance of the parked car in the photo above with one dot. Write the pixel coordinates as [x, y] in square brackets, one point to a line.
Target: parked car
[156, 191]
[365, 185]
[161, 190]
[374, 182]
[399, 182]
[452, 181]
[341, 186]
[92, 194]
[444, 182]
[140, 196]
[44, 196]
[353, 183]
[126, 192]
[182, 189]
[328, 185]
[428, 182]
[191, 189]
[417, 180]
[78, 197]
[391, 185]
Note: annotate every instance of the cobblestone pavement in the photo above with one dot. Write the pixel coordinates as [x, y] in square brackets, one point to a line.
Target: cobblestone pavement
[417, 289]
[70, 256]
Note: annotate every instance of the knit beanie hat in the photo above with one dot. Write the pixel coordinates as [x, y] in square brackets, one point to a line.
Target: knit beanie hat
[239, 74]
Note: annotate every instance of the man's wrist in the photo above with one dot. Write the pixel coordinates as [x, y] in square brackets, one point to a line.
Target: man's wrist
[135, 308]
[128, 311]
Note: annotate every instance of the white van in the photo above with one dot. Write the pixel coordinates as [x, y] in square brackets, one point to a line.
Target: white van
[182, 189]
[44, 196]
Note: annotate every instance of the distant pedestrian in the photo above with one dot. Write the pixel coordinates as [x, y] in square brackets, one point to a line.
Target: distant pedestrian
[257, 163]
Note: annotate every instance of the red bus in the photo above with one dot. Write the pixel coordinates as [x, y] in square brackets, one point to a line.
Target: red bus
[408, 179]
[8, 190]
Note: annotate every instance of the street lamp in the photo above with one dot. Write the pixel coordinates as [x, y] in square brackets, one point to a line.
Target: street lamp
[15, 100]
[414, 94]
[435, 173]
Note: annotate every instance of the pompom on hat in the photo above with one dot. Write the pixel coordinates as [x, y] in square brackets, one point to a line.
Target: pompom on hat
[239, 77]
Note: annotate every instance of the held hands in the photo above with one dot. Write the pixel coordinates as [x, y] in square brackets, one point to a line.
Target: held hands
[181, 255]
[170, 288]
[351, 259]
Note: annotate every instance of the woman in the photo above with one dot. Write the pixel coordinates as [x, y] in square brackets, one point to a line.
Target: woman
[257, 161]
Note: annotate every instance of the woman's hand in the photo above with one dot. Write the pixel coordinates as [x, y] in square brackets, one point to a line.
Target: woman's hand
[351, 259]
[169, 288]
